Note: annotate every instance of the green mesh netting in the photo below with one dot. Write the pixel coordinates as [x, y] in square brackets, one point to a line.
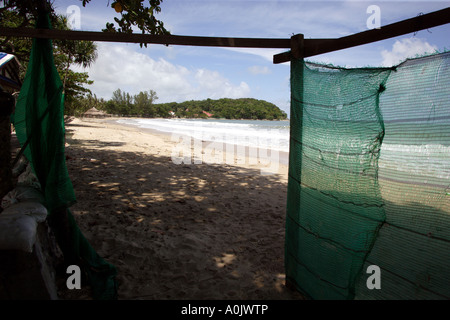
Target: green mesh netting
[39, 124]
[369, 180]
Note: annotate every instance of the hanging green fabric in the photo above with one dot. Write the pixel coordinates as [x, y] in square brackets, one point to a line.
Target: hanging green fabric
[39, 124]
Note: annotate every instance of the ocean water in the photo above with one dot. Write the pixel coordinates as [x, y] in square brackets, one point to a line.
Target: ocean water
[429, 163]
[273, 135]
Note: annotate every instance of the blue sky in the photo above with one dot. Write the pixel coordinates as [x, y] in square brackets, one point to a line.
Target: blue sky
[179, 73]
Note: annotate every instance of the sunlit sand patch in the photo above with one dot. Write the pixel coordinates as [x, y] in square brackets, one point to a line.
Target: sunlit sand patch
[227, 258]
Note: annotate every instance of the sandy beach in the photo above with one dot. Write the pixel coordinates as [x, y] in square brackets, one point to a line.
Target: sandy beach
[177, 231]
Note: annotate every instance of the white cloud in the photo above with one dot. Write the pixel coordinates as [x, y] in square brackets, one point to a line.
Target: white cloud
[212, 85]
[256, 70]
[406, 48]
[118, 66]
[266, 54]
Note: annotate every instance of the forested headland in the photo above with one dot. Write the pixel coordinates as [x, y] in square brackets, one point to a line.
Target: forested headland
[226, 108]
[143, 105]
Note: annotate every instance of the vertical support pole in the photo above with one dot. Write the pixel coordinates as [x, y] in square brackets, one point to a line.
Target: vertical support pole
[6, 107]
[297, 46]
[295, 158]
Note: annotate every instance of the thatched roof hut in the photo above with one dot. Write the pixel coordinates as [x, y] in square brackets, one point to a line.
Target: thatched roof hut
[95, 113]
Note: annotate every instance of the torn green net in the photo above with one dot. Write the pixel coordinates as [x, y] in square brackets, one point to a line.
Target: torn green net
[369, 172]
[39, 124]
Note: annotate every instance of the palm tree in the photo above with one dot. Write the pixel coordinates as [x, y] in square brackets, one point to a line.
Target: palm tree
[82, 53]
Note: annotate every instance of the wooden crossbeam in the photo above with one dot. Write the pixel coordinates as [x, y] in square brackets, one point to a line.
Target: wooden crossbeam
[314, 47]
[309, 48]
[146, 38]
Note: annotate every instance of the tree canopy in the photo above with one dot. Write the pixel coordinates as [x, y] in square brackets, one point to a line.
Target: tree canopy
[143, 105]
[65, 53]
[227, 108]
[124, 104]
[137, 13]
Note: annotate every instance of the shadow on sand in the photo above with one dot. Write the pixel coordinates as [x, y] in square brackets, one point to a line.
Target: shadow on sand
[181, 231]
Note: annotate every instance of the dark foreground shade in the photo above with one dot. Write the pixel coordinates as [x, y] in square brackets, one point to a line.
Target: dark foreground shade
[39, 124]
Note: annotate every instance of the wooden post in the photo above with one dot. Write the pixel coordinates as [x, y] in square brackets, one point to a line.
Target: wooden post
[296, 115]
[6, 108]
[297, 46]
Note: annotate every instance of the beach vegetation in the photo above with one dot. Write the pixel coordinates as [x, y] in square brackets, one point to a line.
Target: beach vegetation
[143, 105]
[65, 53]
[226, 108]
[85, 103]
[124, 104]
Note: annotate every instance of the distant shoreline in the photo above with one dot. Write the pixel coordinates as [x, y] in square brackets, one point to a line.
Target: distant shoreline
[283, 157]
[108, 116]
